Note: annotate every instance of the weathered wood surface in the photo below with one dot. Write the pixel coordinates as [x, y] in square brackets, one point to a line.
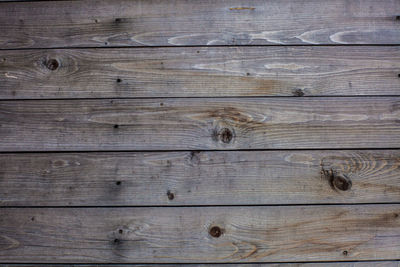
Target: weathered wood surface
[311, 264]
[198, 178]
[194, 72]
[200, 234]
[181, 124]
[204, 22]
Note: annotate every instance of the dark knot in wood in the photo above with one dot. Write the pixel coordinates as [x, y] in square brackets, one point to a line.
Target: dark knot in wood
[52, 64]
[170, 195]
[338, 181]
[215, 231]
[341, 182]
[225, 135]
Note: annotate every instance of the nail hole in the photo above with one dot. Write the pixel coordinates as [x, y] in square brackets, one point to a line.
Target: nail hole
[117, 20]
[226, 135]
[106, 43]
[398, 17]
[120, 231]
[32, 219]
[215, 231]
[398, 75]
[170, 195]
[248, 73]
[116, 240]
[116, 126]
[345, 252]
[118, 182]
[52, 64]
[161, 104]
[96, 21]
[119, 80]
[197, 51]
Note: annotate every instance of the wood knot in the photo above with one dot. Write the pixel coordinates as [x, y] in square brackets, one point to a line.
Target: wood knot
[52, 64]
[398, 17]
[170, 195]
[341, 182]
[225, 135]
[215, 231]
[338, 181]
[298, 92]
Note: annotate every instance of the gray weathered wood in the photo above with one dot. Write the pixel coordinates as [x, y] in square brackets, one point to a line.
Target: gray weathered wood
[98, 23]
[325, 264]
[198, 178]
[208, 71]
[182, 124]
[171, 234]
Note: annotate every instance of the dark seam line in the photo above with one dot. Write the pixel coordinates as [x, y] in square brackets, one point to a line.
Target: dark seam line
[196, 150]
[201, 206]
[189, 46]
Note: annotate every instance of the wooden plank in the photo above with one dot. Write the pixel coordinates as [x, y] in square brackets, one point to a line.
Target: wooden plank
[199, 178]
[197, 72]
[189, 124]
[200, 234]
[313, 264]
[103, 23]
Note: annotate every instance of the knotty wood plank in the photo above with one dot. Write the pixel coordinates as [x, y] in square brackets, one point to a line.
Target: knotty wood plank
[198, 178]
[183, 124]
[204, 22]
[200, 234]
[196, 72]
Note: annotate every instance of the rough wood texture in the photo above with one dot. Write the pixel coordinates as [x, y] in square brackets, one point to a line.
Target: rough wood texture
[212, 234]
[325, 264]
[198, 178]
[189, 72]
[202, 22]
[180, 124]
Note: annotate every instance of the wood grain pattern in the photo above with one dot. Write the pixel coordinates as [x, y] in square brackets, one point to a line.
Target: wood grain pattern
[197, 178]
[204, 22]
[325, 264]
[190, 124]
[196, 72]
[169, 234]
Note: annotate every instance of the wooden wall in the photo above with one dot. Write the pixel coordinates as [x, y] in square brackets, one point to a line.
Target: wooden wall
[200, 132]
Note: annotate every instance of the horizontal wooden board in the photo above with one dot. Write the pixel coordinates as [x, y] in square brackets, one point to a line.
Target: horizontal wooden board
[197, 72]
[200, 234]
[313, 264]
[198, 178]
[102, 23]
[187, 124]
